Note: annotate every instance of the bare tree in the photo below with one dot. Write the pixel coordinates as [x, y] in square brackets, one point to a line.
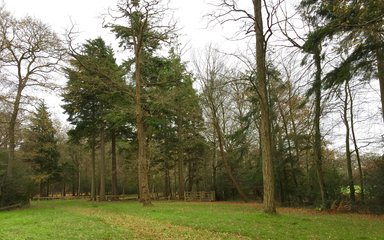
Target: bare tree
[212, 74]
[344, 116]
[231, 10]
[354, 139]
[30, 53]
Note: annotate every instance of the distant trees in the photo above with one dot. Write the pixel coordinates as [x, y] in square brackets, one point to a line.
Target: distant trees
[250, 125]
[213, 76]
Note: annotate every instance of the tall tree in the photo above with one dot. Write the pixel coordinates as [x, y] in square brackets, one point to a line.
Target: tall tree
[348, 153]
[94, 81]
[41, 149]
[30, 52]
[265, 121]
[144, 31]
[358, 26]
[213, 76]
[253, 22]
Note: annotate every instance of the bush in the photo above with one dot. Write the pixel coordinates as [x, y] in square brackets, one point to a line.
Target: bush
[374, 181]
[18, 189]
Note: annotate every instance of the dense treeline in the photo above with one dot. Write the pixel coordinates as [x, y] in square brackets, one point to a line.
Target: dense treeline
[247, 125]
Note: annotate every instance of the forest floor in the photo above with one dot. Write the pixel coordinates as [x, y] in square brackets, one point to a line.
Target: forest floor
[80, 219]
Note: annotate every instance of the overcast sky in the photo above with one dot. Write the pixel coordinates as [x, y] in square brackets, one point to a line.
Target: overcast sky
[86, 14]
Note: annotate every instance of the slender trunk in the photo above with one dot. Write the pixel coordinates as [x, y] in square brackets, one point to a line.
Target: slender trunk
[361, 176]
[316, 122]
[265, 123]
[114, 165]
[78, 175]
[181, 177]
[285, 125]
[180, 162]
[48, 189]
[41, 187]
[93, 169]
[102, 165]
[74, 181]
[214, 164]
[380, 74]
[190, 176]
[11, 131]
[225, 161]
[347, 145]
[294, 129]
[142, 160]
[64, 189]
[167, 182]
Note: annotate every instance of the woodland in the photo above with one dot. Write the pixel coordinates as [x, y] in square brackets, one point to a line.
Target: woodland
[251, 126]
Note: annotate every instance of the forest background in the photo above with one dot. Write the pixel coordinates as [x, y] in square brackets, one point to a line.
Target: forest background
[201, 106]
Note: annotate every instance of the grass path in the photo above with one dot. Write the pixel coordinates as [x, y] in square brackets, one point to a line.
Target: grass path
[144, 228]
[179, 220]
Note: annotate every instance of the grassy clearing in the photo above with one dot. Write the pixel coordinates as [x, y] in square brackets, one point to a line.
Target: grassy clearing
[179, 220]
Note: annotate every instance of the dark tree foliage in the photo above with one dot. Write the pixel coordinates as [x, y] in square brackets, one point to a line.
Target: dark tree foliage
[95, 95]
[357, 26]
[40, 149]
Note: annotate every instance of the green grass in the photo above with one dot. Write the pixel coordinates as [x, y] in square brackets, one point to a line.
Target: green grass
[179, 220]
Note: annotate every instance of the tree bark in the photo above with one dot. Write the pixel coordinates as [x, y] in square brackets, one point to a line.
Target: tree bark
[214, 164]
[316, 125]
[380, 74]
[347, 145]
[102, 165]
[114, 164]
[265, 123]
[225, 161]
[180, 162]
[12, 128]
[142, 160]
[361, 176]
[286, 131]
[181, 178]
[93, 169]
[167, 179]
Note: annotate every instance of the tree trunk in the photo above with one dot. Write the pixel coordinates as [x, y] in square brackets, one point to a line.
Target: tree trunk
[74, 181]
[11, 130]
[167, 179]
[102, 165]
[214, 165]
[286, 131]
[93, 170]
[347, 145]
[142, 160]
[190, 177]
[380, 74]
[64, 189]
[265, 123]
[78, 181]
[225, 161]
[114, 165]
[181, 177]
[180, 162]
[361, 176]
[316, 122]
